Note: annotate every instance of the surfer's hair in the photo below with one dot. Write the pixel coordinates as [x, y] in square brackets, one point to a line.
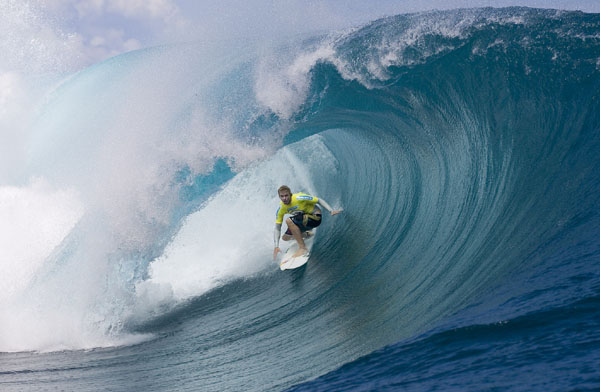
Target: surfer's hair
[284, 188]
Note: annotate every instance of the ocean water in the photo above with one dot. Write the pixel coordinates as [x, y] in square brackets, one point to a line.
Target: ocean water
[464, 147]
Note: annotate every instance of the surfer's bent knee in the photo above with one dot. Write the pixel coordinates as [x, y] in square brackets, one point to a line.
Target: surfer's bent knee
[290, 222]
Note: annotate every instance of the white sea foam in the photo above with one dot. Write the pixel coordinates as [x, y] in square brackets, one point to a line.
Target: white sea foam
[35, 219]
[110, 145]
[283, 87]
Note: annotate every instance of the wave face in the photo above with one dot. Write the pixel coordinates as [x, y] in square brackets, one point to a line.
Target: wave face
[463, 146]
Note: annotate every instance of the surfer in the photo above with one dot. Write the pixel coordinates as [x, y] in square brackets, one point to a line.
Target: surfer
[306, 215]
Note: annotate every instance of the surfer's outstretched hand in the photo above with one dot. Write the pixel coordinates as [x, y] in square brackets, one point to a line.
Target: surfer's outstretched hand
[336, 212]
[277, 250]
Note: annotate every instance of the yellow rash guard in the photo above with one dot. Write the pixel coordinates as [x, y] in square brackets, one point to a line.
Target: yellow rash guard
[300, 202]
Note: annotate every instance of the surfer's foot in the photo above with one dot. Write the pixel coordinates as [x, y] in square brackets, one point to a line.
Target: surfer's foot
[300, 252]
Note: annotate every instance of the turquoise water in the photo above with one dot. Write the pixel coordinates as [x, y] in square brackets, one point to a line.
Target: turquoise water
[463, 146]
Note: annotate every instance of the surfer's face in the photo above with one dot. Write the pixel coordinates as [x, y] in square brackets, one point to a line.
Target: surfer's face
[285, 197]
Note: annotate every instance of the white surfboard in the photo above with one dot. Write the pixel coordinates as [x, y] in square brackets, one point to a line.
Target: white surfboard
[290, 262]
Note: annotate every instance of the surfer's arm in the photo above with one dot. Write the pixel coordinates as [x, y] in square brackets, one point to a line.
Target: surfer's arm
[277, 234]
[328, 207]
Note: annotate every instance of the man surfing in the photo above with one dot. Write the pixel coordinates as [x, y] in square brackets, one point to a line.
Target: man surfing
[306, 215]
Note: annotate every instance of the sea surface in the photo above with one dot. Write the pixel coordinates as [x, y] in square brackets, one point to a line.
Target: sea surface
[463, 146]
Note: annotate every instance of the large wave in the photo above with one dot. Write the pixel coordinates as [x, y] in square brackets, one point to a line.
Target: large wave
[462, 146]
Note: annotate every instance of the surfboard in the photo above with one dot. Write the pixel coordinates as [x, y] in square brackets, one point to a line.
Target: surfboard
[290, 262]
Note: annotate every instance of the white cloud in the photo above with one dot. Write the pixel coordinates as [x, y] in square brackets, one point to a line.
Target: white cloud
[131, 44]
[110, 27]
[163, 10]
[107, 43]
[85, 8]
